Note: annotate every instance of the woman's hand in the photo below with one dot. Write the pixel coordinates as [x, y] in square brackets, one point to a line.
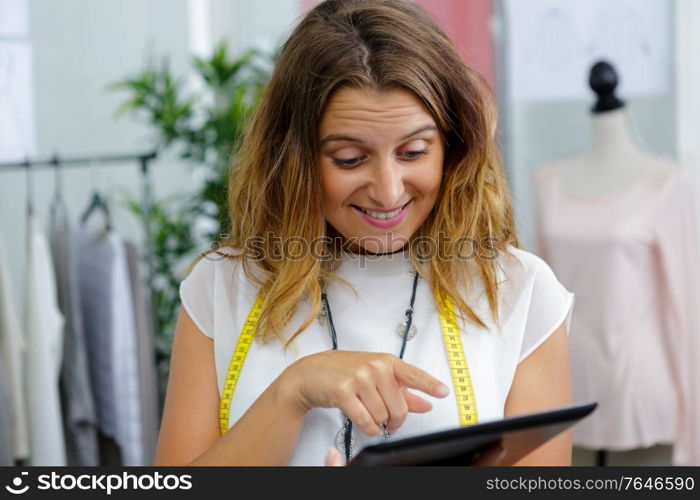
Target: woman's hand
[369, 387]
[333, 458]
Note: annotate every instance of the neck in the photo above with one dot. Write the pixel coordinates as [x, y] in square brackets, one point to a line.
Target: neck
[613, 138]
[356, 249]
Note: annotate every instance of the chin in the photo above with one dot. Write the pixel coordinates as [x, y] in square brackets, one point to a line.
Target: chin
[374, 248]
[383, 243]
[377, 241]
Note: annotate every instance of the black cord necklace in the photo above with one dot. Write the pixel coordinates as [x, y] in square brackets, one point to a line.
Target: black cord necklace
[404, 329]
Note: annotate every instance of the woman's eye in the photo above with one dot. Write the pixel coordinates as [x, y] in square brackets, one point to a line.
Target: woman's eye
[352, 162]
[346, 163]
[415, 154]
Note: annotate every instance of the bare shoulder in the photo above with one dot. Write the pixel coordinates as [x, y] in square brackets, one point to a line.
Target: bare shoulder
[189, 424]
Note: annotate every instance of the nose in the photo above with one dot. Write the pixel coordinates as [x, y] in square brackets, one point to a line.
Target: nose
[387, 186]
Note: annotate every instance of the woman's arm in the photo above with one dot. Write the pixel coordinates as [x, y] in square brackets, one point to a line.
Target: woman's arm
[543, 381]
[265, 435]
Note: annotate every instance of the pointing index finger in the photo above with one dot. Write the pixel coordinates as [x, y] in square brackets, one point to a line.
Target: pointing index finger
[411, 376]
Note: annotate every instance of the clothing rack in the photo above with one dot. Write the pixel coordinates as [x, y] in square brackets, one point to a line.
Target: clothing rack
[144, 161]
[57, 160]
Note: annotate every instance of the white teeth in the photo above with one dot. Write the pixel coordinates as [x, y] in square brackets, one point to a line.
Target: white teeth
[382, 215]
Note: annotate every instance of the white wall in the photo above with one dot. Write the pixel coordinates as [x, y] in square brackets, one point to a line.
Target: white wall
[262, 23]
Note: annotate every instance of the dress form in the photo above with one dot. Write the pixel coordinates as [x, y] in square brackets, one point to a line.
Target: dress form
[615, 159]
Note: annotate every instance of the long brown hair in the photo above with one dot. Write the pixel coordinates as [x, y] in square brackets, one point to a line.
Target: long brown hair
[275, 186]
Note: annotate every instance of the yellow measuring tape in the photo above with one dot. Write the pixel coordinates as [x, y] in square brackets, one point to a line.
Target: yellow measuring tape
[459, 369]
[461, 380]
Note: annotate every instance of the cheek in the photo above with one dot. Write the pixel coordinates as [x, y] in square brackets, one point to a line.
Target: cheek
[428, 182]
[335, 187]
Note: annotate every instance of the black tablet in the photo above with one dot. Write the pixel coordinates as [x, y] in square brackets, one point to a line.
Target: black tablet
[461, 446]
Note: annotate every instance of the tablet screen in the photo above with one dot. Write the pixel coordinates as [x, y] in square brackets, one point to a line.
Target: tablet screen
[519, 435]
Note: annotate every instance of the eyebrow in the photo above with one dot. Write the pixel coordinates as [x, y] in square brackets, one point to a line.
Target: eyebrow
[336, 137]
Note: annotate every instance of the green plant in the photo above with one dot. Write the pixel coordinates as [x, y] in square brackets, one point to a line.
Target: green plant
[204, 125]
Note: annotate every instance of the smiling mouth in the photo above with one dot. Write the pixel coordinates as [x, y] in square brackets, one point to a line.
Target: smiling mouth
[382, 215]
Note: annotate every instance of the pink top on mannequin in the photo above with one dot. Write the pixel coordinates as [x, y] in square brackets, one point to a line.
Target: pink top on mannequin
[618, 227]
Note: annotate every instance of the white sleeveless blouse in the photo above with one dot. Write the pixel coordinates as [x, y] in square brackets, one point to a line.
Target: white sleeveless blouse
[533, 303]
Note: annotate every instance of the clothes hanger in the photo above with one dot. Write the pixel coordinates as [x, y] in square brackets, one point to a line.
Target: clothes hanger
[97, 203]
[30, 185]
[58, 180]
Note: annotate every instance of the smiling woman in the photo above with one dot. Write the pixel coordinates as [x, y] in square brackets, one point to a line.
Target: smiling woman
[369, 166]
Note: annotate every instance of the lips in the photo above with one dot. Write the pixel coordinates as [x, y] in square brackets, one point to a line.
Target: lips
[380, 221]
[371, 211]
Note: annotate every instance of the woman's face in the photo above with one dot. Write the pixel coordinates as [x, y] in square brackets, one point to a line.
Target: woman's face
[381, 158]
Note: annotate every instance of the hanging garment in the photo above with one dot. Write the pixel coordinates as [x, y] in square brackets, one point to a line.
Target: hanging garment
[13, 350]
[44, 325]
[125, 359]
[95, 257]
[217, 295]
[77, 403]
[6, 411]
[631, 258]
[150, 398]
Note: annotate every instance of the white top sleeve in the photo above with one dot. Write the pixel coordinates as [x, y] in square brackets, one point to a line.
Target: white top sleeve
[550, 305]
[197, 294]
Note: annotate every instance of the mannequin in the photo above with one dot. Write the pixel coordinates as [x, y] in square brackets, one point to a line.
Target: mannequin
[613, 167]
[615, 159]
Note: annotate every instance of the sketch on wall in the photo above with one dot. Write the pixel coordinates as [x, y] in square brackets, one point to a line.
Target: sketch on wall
[16, 130]
[552, 44]
[16, 109]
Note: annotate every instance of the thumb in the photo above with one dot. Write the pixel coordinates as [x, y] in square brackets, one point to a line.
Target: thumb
[333, 458]
[415, 403]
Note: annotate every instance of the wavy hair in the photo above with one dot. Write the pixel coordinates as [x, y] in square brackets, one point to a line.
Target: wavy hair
[275, 186]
